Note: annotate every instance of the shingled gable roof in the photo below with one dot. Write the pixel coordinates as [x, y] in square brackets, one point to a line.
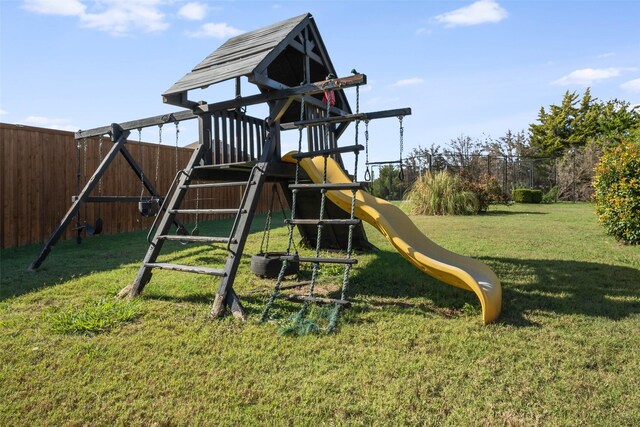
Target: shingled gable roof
[272, 54]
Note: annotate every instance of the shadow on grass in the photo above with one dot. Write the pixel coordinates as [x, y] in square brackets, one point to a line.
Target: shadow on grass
[565, 287]
[554, 286]
[68, 260]
[506, 212]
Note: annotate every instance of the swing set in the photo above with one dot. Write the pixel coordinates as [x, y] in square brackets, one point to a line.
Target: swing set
[238, 150]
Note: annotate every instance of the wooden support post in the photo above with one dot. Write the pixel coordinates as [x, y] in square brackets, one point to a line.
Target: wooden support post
[205, 132]
[119, 137]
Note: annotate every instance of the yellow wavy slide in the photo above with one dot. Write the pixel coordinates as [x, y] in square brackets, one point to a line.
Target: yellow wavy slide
[449, 267]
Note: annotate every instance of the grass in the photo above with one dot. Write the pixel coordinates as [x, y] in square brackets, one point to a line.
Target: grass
[97, 317]
[410, 351]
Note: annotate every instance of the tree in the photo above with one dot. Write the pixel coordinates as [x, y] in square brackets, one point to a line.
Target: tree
[422, 159]
[510, 146]
[577, 122]
[561, 126]
[387, 184]
[616, 120]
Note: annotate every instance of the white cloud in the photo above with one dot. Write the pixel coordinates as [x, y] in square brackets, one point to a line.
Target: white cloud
[606, 55]
[586, 76]
[3, 112]
[117, 17]
[480, 12]
[193, 11]
[124, 16]
[423, 31]
[220, 30]
[49, 122]
[631, 85]
[55, 7]
[408, 82]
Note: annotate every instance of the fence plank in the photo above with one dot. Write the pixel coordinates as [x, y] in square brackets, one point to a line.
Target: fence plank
[38, 179]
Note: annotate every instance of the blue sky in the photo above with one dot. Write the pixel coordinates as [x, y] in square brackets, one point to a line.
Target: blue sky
[466, 68]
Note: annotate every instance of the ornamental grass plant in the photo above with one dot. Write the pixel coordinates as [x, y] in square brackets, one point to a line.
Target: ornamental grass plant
[441, 193]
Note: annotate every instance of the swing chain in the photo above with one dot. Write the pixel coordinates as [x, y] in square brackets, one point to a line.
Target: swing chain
[100, 141]
[197, 206]
[355, 169]
[401, 173]
[158, 153]
[177, 138]
[84, 163]
[367, 172]
[140, 159]
[400, 119]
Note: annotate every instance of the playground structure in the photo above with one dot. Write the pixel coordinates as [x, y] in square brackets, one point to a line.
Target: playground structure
[235, 149]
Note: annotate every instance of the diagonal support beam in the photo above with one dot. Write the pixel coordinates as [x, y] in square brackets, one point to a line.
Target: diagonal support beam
[120, 139]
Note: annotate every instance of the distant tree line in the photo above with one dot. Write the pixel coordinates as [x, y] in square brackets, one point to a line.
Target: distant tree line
[558, 152]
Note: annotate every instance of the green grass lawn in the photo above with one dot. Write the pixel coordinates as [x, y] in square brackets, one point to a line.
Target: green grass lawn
[411, 350]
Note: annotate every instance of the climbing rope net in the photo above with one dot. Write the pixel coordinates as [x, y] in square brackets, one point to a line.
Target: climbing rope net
[298, 319]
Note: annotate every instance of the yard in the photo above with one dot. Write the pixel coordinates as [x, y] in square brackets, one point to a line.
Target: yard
[566, 350]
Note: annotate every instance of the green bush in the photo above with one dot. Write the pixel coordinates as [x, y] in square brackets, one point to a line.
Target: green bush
[441, 193]
[526, 195]
[617, 191]
[550, 196]
[487, 190]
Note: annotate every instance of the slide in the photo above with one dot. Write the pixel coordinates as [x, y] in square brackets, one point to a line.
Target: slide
[449, 267]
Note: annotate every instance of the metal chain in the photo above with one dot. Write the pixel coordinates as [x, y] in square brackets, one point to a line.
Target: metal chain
[158, 153]
[355, 169]
[197, 206]
[177, 137]
[401, 173]
[100, 159]
[84, 175]
[400, 119]
[367, 173]
[266, 233]
[140, 159]
[84, 163]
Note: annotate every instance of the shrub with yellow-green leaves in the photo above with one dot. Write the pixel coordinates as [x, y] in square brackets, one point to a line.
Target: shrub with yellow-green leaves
[617, 191]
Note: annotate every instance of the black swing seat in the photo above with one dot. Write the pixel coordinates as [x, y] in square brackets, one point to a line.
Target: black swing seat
[149, 207]
[90, 229]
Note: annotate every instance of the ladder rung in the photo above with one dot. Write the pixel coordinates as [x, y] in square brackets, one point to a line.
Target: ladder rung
[320, 259]
[296, 285]
[322, 221]
[319, 300]
[187, 268]
[207, 211]
[247, 165]
[329, 151]
[215, 185]
[328, 186]
[196, 239]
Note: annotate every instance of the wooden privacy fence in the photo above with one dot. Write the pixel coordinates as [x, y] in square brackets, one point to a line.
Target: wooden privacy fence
[39, 177]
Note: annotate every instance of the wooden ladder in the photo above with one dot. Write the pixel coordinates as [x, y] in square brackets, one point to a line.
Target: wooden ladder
[235, 242]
